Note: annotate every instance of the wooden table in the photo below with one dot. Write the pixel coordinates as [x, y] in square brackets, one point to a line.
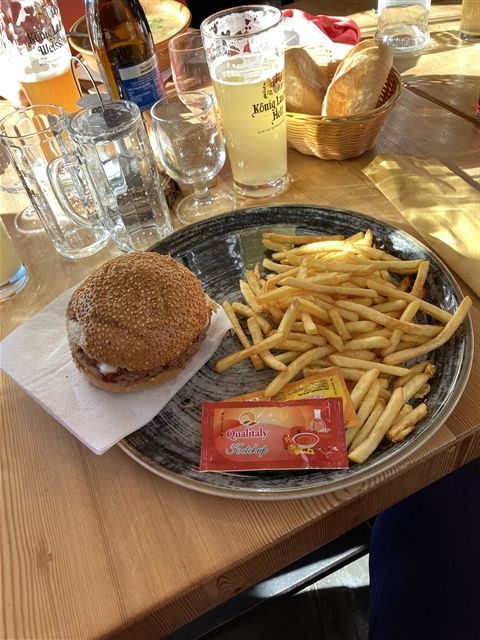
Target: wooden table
[97, 546]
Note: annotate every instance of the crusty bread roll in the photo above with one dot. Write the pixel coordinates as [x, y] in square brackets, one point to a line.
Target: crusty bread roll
[306, 79]
[358, 80]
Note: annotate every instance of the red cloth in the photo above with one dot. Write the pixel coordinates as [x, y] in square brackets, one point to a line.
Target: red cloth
[338, 29]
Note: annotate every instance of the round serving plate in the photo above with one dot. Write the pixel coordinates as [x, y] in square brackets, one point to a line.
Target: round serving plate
[218, 251]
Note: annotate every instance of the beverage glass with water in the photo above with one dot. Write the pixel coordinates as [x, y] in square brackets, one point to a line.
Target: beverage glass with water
[403, 25]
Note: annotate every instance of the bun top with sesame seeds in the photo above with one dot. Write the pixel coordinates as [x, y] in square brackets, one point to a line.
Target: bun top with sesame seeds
[138, 311]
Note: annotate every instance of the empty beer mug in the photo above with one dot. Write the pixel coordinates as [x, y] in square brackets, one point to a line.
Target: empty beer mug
[34, 137]
[113, 149]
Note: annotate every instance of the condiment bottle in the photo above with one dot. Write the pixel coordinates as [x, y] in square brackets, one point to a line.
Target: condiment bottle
[124, 48]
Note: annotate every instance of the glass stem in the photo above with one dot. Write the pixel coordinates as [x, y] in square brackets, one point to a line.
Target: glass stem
[201, 191]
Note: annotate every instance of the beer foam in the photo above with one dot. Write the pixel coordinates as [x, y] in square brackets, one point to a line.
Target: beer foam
[38, 71]
[238, 24]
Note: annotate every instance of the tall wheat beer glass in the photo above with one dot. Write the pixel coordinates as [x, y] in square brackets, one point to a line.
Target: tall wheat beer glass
[34, 39]
[244, 48]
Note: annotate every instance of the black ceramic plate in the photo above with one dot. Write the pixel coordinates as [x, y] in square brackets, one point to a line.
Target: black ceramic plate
[218, 251]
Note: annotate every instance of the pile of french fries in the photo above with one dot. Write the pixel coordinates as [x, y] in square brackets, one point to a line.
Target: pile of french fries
[323, 301]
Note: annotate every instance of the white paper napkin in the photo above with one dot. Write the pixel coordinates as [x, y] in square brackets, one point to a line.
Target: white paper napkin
[299, 31]
[37, 356]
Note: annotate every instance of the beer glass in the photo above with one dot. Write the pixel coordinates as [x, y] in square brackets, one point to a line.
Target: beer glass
[191, 149]
[112, 145]
[34, 40]
[470, 21]
[34, 137]
[244, 48]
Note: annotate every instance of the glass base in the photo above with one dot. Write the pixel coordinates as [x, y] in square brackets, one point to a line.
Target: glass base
[405, 43]
[85, 249]
[192, 209]
[28, 221]
[469, 37]
[268, 190]
[16, 282]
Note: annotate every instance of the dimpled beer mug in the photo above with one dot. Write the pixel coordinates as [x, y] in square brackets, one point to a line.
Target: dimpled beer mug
[244, 48]
[34, 137]
[112, 146]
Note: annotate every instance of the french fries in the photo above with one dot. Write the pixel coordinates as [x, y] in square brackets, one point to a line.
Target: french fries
[319, 301]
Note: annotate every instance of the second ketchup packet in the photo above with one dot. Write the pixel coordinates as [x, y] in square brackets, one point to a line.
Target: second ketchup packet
[327, 384]
[254, 435]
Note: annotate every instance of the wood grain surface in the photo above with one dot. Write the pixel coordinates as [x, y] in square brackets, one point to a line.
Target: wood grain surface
[97, 547]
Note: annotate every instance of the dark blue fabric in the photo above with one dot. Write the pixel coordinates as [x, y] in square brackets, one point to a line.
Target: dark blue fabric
[425, 563]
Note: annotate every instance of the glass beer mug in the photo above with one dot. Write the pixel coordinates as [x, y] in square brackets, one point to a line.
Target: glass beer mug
[34, 137]
[113, 153]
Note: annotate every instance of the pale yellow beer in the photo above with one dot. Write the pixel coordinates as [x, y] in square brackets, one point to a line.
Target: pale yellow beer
[470, 20]
[52, 87]
[250, 91]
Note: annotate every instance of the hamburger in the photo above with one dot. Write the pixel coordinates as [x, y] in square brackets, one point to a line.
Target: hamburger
[136, 321]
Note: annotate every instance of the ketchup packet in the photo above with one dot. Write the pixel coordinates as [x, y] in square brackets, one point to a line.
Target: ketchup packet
[296, 434]
[330, 383]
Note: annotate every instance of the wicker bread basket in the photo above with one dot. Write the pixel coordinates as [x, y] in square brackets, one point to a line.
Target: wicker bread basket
[342, 137]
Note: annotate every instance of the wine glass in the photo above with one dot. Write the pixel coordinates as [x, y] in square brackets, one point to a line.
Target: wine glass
[26, 220]
[188, 63]
[189, 142]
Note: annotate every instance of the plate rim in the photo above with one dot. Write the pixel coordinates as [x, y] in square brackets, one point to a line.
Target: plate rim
[399, 455]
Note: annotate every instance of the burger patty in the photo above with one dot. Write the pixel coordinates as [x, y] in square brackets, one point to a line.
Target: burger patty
[126, 375]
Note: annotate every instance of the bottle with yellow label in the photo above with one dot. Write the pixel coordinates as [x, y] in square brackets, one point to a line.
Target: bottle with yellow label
[123, 45]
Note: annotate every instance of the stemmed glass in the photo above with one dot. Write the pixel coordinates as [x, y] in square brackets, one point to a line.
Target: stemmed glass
[188, 63]
[190, 145]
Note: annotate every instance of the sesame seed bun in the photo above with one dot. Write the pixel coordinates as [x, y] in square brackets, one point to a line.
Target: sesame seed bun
[136, 321]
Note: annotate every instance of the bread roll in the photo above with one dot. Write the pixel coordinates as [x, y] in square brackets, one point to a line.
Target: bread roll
[306, 79]
[359, 79]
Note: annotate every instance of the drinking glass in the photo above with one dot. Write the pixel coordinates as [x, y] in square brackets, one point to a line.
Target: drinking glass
[26, 220]
[188, 62]
[245, 53]
[403, 25]
[191, 149]
[13, 274]
[34, 39]
[111, 142]
[470, 21]
[35, 136]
